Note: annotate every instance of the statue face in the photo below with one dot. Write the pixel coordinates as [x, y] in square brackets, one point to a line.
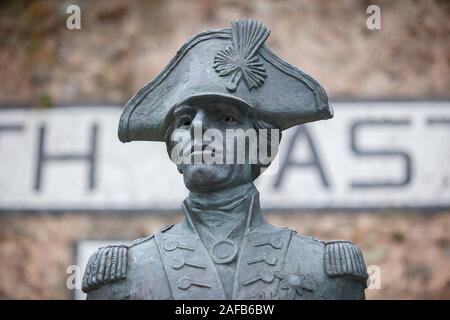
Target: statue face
[204, 126]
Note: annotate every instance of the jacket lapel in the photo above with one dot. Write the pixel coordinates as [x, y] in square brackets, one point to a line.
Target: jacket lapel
[262, 256]
[188, 267]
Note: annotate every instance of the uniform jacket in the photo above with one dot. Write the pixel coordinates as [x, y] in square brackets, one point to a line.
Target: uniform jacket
[272, 263]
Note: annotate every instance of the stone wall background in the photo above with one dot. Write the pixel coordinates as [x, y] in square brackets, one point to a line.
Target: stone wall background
[123, 45]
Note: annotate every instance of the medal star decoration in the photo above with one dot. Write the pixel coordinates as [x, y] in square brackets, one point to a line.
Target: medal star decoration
[240, 60]
[296, 282]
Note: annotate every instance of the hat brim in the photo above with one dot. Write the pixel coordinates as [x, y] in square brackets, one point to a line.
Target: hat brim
[287, 96]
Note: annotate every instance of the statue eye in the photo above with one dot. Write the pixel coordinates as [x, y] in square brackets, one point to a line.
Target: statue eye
[228, 119]
[184, 122]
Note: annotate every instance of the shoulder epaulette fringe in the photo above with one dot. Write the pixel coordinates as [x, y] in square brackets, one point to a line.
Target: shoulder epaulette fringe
[343, 258]
[106, 265]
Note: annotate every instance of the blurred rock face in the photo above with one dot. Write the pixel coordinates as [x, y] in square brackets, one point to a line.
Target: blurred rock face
[122, 46]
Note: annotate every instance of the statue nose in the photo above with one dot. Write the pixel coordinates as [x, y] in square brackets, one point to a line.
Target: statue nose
[198, 123]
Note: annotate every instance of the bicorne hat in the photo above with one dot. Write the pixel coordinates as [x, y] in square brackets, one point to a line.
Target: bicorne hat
[231, 64]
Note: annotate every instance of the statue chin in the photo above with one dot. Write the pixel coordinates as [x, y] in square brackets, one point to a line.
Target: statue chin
[206, 177]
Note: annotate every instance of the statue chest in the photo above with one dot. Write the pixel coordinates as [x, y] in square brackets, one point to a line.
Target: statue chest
[257, 269]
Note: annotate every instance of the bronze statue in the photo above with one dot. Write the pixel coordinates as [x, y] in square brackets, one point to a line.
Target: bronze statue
[224, 249]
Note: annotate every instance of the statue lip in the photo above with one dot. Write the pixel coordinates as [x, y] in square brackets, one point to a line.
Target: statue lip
[202, 152]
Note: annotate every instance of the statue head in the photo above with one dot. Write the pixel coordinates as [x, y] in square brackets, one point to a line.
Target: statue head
[219, 143]
[221, 81]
